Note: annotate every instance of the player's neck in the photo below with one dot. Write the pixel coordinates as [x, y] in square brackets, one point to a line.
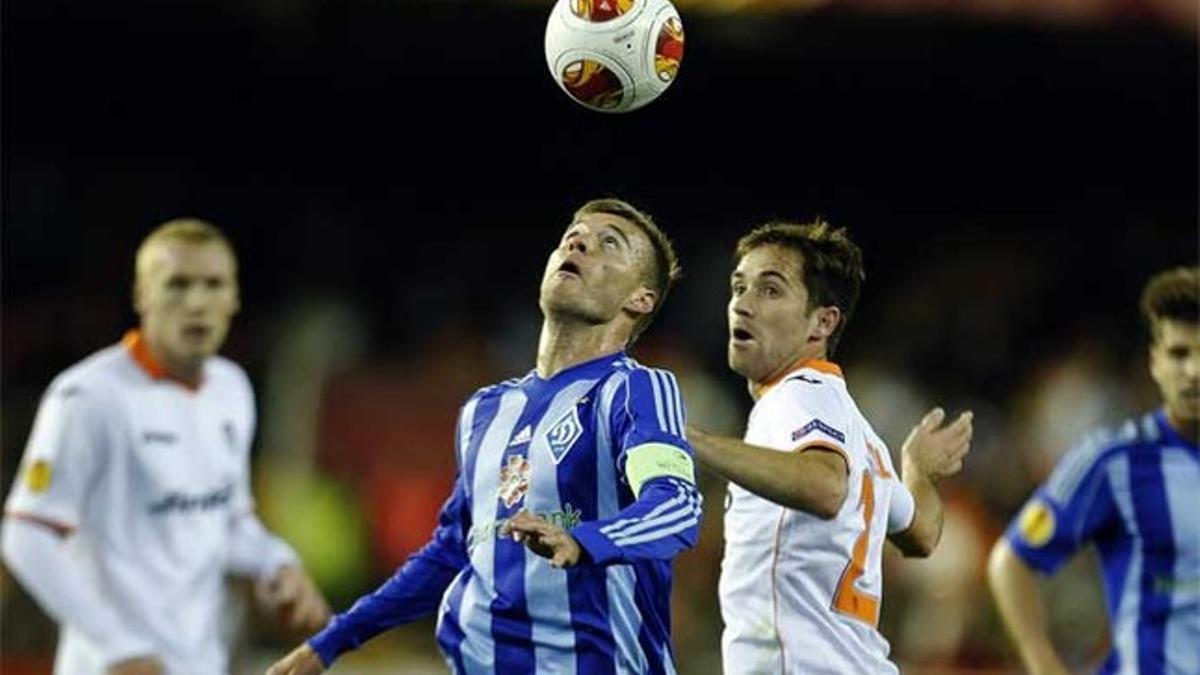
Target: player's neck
[811, 352]
[188, 372]
[567, 343]
[1188, 427]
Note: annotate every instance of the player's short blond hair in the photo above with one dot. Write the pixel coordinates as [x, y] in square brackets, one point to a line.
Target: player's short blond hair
[1173, 295]
[831, 264]
[187, 230]
[665, 271]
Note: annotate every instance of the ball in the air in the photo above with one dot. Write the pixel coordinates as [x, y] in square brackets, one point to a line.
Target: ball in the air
[614, 55]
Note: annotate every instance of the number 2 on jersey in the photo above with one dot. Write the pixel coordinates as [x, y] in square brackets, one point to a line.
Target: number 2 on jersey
[849, 599]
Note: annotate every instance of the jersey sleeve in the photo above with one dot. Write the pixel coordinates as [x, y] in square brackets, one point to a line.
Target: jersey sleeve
[808, 414]
[902, 508]
[653, 457]
[68, 444]
[241, 435]
[415, 590]
[253, 550]
[1065, 513]
[59, 582]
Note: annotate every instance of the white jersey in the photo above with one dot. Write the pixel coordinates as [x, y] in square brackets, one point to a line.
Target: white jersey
[800, 594]
[149, 476]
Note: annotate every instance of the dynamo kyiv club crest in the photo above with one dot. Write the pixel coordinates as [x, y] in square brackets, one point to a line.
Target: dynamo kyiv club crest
[563, 434]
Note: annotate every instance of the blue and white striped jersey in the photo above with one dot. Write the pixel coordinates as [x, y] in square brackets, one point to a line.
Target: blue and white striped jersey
[1135, 494]
[599, 450]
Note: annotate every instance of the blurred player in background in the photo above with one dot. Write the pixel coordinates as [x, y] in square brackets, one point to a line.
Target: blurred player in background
[575, 487]
[1134, 492]
[133, 500]
[812, 488]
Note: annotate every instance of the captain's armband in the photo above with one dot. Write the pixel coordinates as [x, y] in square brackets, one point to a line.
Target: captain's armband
[656, 460]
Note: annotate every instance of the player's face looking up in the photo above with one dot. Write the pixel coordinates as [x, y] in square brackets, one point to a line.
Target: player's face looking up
[1175, 367]
[186, 295]
[771, 326]
[599, 270]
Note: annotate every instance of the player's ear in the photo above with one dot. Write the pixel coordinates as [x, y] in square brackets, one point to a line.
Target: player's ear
[237, 297]
[827, 319]
[642, 301]
[139, 301]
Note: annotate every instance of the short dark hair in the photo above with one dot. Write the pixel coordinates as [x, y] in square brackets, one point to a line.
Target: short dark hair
[665, 270]
[831, 264]
[1172, 294]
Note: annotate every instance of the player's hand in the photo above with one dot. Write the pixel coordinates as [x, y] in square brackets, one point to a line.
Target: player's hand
[545, 539]
[937, 451]
[295, 599]
[142, 665]
[301, 661]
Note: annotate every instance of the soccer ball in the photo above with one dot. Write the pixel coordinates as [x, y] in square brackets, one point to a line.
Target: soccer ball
[614, 55]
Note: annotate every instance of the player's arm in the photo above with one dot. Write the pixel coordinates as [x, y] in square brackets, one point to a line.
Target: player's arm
[66, 447]
[806, 416]
[1018, 594]
[282, 584]
[1074, 505]
[36, 554]
[647, 421]
[812, 478]
[413, 592]
[930, 453]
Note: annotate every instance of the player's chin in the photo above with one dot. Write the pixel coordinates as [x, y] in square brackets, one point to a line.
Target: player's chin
[574, 305]
[560, 298]
[1188, 405]
[742, 361]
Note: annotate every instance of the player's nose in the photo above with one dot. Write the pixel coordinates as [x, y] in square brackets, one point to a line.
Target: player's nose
[196, 299]
[577, 244]
[1191, 366]
[740, 306]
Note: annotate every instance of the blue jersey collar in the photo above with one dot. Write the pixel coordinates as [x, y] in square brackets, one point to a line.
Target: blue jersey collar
[587, 369]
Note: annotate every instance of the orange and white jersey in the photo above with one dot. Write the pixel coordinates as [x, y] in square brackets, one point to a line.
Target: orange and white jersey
[149, 477]
[800, 594]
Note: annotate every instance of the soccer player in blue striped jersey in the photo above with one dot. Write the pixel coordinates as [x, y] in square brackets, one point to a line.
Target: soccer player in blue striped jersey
[1134, 493]
[575, 487]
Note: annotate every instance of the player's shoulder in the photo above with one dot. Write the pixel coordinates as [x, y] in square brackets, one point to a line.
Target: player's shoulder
[226, 372]
[637, 385]
[816, 374]
[498, 389]
[1102, 443]
[1096, 449]
[98, 375]
[808, 389]
[631, 370]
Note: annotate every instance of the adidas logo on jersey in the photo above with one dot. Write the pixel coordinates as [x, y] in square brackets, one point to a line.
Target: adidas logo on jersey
[522, 436]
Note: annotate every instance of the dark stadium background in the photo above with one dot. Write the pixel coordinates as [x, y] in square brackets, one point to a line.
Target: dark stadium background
[394, 174]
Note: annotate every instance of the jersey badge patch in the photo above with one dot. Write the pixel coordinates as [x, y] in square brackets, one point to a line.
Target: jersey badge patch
[562, 436]
[38, 476]
[1037, 524]
[514, 480]
[818, 425]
